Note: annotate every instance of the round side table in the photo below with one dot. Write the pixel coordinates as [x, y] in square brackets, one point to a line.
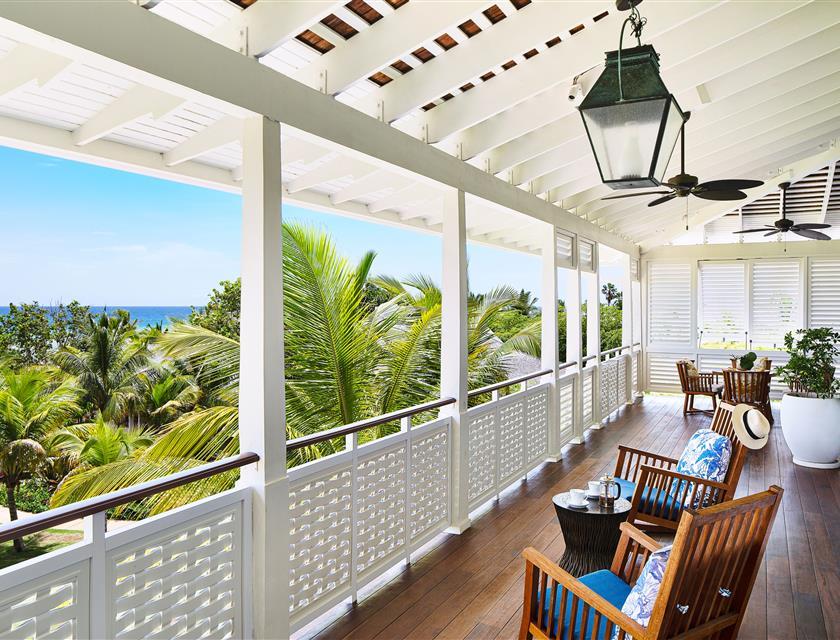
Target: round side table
[591, 533]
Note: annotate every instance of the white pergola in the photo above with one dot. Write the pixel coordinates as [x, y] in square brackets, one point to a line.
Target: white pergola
[445, 117]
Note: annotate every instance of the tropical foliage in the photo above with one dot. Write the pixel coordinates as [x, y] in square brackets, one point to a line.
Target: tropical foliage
[91, 404]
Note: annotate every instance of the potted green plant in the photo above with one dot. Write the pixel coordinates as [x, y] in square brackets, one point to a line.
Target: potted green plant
[811, 410]
[745, 362]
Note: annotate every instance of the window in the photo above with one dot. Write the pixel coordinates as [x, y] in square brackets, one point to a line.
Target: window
[824, 293]
[587, 253]
[775, 306]
[669, 303]
[722, 309]
[565, 247]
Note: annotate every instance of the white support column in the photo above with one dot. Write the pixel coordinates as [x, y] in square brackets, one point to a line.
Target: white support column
[262, 420]
[550, 338]
[593, 335]
[453, 352]
[627, 321]
[574, 343]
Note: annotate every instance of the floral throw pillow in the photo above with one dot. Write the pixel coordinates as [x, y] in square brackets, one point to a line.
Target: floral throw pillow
[639, 604]
[706, 456]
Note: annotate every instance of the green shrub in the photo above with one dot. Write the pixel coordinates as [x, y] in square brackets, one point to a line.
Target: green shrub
[32, 496]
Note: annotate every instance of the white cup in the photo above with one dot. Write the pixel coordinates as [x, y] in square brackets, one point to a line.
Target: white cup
[594, 487]
[577, 497]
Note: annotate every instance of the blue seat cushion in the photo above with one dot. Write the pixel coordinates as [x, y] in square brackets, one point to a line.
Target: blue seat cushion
[607, 585]
[654, 502]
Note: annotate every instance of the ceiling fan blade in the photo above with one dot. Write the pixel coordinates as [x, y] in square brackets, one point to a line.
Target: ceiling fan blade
[772, 233]
[720, 195]
[814, 235]
[754, 230]
[729, 185]
[631, 195]
[670, 196]
[809, 225]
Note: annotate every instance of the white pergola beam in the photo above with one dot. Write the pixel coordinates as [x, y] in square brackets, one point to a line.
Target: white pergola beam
[136, 103]
[371, 183]
[266, 25]
[383, 43]
[220, 133]
[334, 169]
[25, 65]
[409, 195]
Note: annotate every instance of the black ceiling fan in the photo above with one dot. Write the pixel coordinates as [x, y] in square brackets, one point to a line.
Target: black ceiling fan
[804, 229]
[684, 184]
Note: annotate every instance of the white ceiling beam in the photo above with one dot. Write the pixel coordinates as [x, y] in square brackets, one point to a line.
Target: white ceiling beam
[266, 25]
[383, 43]
[220, 133]
[687, 61]
[371, 183]
[829, 182]
[296, 150]
[339, 167]
[514, 35]
[138, 102]
[555, 66]
[25, 65]
[96, 34]
[402, 197]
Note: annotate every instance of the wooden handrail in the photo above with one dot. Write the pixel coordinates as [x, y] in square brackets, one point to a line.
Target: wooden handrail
[508, 383]
[53, 517]
[566, 365]
[353, 427]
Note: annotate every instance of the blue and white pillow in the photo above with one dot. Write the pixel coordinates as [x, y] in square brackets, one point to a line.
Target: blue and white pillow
[706, 456]
[639, 604]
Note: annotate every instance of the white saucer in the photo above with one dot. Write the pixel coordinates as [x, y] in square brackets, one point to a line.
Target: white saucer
[592, 496]
[584, 505]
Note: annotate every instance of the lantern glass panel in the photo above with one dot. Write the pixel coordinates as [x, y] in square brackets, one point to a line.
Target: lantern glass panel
[624, 138]
[669, 139]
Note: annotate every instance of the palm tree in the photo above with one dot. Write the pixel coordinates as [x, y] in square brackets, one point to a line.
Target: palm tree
[98, 443]
[31, 405]
[161, 395]
[108, 370]
[610, 293]
[344, 362]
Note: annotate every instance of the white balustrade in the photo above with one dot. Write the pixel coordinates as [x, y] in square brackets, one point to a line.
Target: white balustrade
[354, 514]
[566, 407]
[614, 385]
[587, 396]
[506, 438]
[176, 575]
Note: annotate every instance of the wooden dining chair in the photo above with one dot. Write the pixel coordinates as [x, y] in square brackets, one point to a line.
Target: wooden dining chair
[705, 587]
[694, 383]
[658, 494]
[748, 387]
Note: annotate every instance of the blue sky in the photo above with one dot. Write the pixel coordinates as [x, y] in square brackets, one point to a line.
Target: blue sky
[106, 237]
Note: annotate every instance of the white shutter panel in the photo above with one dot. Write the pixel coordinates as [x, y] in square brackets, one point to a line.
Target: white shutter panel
[722, 312]
[634, 270]
[586, 251]
[669, 303]
[775, 302]
[824, 298]
[565, 247]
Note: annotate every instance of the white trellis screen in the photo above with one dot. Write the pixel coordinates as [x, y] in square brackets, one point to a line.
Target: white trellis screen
[506, 438]
[587, 399]
[177, 575]
[614, 386]
[566, 407]
[355, 513]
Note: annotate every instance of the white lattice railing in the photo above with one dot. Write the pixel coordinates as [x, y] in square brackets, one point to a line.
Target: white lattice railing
[506, 438]
[355, 513]
[587, 407]
[565, 410]
[614, 387]
[177, 575]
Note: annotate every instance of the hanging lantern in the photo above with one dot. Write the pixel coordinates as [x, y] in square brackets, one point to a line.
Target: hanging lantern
[631, 119]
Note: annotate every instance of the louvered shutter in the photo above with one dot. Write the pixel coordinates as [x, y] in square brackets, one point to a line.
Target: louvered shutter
[722, 310]
[775, 302]
[824, 298]
[565, 247]
[669, 303]
[586, 252]
[634, 270]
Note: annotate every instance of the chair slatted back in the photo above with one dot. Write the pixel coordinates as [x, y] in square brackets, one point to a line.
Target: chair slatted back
[749, 387]
[687, 381]
[722, 424]
[713, 565]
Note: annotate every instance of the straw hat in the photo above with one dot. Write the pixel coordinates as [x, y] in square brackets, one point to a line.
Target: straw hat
[751, 426]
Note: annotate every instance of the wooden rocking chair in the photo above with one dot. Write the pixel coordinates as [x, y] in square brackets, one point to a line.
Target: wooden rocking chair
[704, 591]
[748, 387]
[651, 480]
[694, 383]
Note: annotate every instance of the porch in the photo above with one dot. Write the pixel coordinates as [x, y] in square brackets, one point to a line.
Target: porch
[470, 586]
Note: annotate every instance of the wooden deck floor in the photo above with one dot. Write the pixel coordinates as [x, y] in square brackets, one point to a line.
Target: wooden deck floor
[470, 586]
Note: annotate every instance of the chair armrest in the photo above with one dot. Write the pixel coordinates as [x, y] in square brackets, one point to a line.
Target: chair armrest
[632, 552]
[541, 574]
[630, 461]
[685, 490]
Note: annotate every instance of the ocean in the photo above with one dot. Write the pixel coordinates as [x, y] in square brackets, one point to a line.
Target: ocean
[145, 316]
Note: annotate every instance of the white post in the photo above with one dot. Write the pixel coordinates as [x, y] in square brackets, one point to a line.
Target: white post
[453, 352]
[262, 420]
[593, 335]
[574, 343]
[550, 347]
[627, 322]
[100, 610]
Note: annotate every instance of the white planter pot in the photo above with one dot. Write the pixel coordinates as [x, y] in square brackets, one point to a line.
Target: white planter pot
[811, 427]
